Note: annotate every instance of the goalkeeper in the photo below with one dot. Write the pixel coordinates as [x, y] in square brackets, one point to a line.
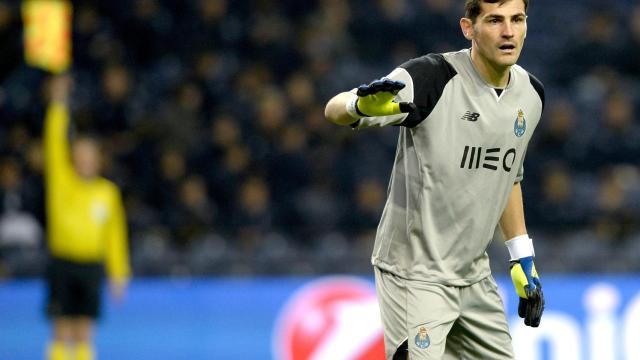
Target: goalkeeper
[86, 232]
[465, 120]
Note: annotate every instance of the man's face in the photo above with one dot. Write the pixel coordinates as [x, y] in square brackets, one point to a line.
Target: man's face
[86, 158]
[499, 31]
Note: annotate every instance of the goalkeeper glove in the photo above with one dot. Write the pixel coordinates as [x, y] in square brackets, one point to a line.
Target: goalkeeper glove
[525, 280]
[376, 99]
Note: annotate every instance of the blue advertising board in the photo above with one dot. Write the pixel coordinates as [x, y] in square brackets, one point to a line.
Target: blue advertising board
[586, 318]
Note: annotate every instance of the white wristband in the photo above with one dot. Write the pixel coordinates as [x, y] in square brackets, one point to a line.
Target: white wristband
[520, 246]
[351, 107]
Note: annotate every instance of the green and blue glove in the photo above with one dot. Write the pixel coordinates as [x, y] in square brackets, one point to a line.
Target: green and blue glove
[526, 280]
[377, 99]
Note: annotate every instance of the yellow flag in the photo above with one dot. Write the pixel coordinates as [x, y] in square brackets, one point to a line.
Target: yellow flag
[47, 34]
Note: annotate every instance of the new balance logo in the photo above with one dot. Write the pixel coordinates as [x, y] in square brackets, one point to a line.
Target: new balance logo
[472, 158]
[470, 116]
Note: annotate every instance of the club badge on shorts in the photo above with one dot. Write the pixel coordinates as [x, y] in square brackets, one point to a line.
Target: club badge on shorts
[520, 125]
[422, 338]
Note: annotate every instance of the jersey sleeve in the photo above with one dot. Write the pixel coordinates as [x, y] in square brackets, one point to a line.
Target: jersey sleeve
[425, 78]
[539, 88]
[59, 173]
[520, 174]
[430, 74]
[117, 251]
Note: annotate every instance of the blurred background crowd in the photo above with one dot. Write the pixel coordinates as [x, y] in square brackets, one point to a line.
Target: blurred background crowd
[211, 116]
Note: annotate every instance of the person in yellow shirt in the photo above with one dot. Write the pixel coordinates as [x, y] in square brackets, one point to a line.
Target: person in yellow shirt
[87, 234]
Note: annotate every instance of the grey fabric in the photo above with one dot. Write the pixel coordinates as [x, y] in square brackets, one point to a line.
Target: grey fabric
[461, 323]
[453, 171]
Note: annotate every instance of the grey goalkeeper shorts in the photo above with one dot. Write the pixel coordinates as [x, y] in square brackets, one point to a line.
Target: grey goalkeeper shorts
[434, 321]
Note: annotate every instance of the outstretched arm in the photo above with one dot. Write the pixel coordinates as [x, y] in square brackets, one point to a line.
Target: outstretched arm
[117, 253]
[336, 109]
[376, 99]
[58, 168]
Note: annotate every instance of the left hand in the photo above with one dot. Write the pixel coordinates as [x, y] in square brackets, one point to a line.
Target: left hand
[527, 283]
[377, 98]
[59, 88]
[118, 290]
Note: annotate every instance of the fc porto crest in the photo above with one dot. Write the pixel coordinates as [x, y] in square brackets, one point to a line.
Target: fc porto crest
[422, 338]
[520, 125]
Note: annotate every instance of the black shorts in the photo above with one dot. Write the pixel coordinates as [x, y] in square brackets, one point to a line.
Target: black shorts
[74, 289]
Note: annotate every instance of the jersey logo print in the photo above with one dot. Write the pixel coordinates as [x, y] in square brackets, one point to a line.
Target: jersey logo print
[472, 158]
[422, 338]
[470, 116]
[520, 125]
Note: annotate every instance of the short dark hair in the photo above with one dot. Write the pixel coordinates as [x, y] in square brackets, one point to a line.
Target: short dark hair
[472, 7]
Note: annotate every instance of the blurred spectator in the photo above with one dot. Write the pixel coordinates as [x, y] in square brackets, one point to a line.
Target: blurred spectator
[272, 113]
[112, 109]
[300, 92]
[632, 49]
[616, 211]
[272, 34]
[20, 231]
[213, 24]
[172, 170]
[253, 215]
[225, 177]
[10, 38]
[194, 216]
[562, 135]
[441, 17]
[146, 33]
[600, 37]
[288, 169]
[181, 119]
[617, 137]
[363, 218]
[386, 19]
[558, 206]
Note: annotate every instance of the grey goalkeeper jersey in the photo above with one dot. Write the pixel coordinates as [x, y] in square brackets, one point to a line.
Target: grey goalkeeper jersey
[457, 159]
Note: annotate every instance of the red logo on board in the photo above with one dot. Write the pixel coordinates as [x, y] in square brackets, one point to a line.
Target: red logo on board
[335, 318]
